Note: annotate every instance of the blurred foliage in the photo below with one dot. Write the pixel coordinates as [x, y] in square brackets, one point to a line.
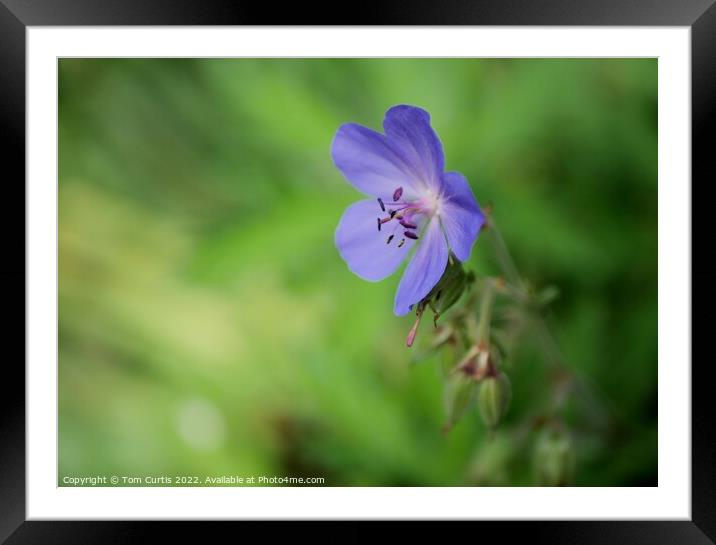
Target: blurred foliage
[208, 326]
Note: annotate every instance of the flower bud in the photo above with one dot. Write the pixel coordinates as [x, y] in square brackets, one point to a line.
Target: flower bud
[546, 296]
[448, 355]
[493, 461]
[494, 398]
[449, 288]
[460, 391]
[554, 459]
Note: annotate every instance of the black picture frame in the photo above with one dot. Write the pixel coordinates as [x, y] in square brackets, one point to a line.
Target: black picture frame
[16, 15]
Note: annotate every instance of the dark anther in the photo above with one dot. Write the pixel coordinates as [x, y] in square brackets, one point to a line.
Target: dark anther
[389, 239]
[410, 234]
[380, 202]
[397, 193]
[402, 241]
[393, 212]
[379, 224]
[408, 225]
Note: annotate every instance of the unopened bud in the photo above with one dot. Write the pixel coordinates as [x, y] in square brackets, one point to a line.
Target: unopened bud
[554, 459]
[449, 288]
[494, 398]
[493, 460]
[460, 392]
[413, 331]
[449, 352]
[546, 296]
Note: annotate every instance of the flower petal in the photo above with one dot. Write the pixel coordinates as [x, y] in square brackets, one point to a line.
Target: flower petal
[460, 214]
[363, 247]
[371, 163]
[409, 128]
[424, 270]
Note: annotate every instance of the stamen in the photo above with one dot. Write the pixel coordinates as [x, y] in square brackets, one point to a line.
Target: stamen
[397, 193]
[380, 202]
[379, 223]
[407, 224]
[392, 213]
[389, 239]
[410, 234]
[402, 241]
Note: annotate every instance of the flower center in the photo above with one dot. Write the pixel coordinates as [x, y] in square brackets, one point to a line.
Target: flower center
[405, 215]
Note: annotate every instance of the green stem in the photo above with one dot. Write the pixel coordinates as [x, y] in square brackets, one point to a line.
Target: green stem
[549, 345]
[504, 259]
[551, 351]
[483, 326]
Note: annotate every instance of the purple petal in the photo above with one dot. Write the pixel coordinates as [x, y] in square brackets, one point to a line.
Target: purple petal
[363, 247]
[424, 270]
[371, 163]
[409, 128]
[460, 214]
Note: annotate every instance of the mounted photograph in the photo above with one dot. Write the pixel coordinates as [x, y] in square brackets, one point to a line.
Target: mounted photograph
[357, 272]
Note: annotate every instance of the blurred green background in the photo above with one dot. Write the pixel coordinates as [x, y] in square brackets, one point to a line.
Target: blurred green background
[208, 326]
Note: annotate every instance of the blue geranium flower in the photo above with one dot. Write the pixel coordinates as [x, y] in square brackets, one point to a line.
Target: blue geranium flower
[414, 204]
